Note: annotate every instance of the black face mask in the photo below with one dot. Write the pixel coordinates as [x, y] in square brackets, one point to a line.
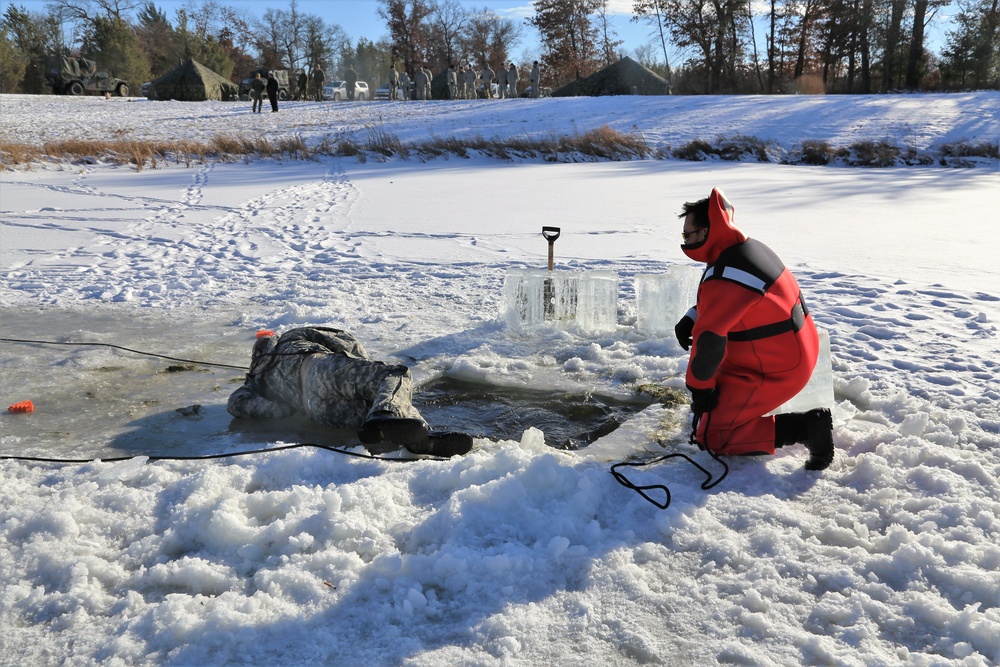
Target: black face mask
[695, 246]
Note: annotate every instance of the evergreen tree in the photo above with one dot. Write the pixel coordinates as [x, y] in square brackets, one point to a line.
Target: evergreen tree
[971, 57]
[569, 38]
[33, 36]
[113, 45]
[13, 64]
[156, 38]
[191, 43]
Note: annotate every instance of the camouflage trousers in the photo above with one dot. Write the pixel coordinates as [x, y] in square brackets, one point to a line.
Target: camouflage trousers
[325, 375]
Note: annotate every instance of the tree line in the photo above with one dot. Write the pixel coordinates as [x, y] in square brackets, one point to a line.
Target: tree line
[811, 46]
[835, 46]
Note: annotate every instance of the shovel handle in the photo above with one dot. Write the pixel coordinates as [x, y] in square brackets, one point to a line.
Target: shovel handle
[550, 234]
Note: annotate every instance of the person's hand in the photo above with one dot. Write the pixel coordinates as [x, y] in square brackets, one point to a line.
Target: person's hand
[683, 330]
[704, 400]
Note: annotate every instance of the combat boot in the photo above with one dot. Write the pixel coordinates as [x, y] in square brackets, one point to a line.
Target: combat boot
[400, 431]
[814, 429]
[443, 443]
[819, 427]
[789, 429]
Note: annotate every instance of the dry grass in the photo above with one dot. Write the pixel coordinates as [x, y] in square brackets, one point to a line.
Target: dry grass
[871, 153]
[602, 143]
[965, 148]
[816, 152]
[729, 148]
[142, 153]
[695, 151]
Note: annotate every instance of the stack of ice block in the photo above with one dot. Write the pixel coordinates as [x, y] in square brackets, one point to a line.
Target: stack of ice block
[661, 299]
[818, 393]
[587, 299]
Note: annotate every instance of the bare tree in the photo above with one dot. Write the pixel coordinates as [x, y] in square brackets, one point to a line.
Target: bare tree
[408, 28]
[87, 11]
[488, 38]
[608, 41]
[446, 25]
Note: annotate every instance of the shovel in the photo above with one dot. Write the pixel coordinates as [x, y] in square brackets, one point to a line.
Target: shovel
[548, 294]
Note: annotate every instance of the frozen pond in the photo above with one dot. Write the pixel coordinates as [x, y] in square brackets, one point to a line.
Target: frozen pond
[98, 401]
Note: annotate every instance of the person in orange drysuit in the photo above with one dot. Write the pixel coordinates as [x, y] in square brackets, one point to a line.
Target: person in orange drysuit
[753, 344]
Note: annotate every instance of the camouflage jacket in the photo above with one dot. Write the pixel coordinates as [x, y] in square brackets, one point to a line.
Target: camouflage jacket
[324, 374]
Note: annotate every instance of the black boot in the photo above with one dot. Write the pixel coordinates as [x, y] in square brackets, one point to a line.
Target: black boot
[443, 443]
[398, 431]
[789, 429]
[819, 426]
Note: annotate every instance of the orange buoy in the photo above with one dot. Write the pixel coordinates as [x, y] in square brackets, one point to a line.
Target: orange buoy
[23, 406]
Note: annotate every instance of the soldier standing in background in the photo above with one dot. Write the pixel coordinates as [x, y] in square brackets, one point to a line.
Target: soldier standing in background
[272, 91]
[419, 81]
[512, 80]
[257, 93]
[470, 83]
[452, 83]
[487, 76]
[393, 82]
[351, 79]
[319, 78]
[501, 82]
[301, 83]
[404, 83]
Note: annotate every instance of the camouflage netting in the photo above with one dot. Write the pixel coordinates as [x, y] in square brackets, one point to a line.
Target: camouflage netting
[192, 82]
[71, 68]
[617, 79]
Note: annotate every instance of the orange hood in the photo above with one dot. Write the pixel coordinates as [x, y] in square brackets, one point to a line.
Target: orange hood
[722, 233]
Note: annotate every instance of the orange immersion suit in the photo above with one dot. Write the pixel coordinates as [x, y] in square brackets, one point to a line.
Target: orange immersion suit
[753, 338]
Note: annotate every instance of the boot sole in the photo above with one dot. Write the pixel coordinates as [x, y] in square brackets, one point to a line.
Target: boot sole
[445, 444]
[395, 431]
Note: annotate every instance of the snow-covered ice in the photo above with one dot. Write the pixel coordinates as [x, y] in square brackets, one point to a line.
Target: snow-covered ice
[518, 553]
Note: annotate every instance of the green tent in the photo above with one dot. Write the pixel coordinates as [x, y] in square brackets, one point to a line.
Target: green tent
[192, 82]
[625, 77]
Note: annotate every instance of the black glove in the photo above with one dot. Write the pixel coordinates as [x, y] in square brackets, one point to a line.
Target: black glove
[683, 330]
[703, 400]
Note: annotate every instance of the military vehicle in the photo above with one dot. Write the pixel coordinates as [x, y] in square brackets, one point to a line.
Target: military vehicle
[281, 75]
[75, 76]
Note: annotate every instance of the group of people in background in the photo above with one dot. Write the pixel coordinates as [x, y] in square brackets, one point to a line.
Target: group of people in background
[465, 83]
[258, 88]
[302, 89]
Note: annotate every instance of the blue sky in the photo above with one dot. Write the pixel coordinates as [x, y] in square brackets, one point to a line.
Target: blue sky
[358, 18]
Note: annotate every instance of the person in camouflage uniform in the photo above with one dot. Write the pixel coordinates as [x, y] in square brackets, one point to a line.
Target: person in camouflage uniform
[326, 375]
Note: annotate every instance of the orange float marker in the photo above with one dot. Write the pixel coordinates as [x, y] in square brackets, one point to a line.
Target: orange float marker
[263, 333]
[23, 406]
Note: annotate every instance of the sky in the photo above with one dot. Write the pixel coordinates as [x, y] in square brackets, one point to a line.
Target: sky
[517, 554]
[359, 18]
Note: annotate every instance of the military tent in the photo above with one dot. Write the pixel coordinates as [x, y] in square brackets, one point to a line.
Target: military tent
[625, 77]
[192, 82]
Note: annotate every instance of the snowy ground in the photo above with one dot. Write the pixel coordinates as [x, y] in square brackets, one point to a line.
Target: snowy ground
[516, 553]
